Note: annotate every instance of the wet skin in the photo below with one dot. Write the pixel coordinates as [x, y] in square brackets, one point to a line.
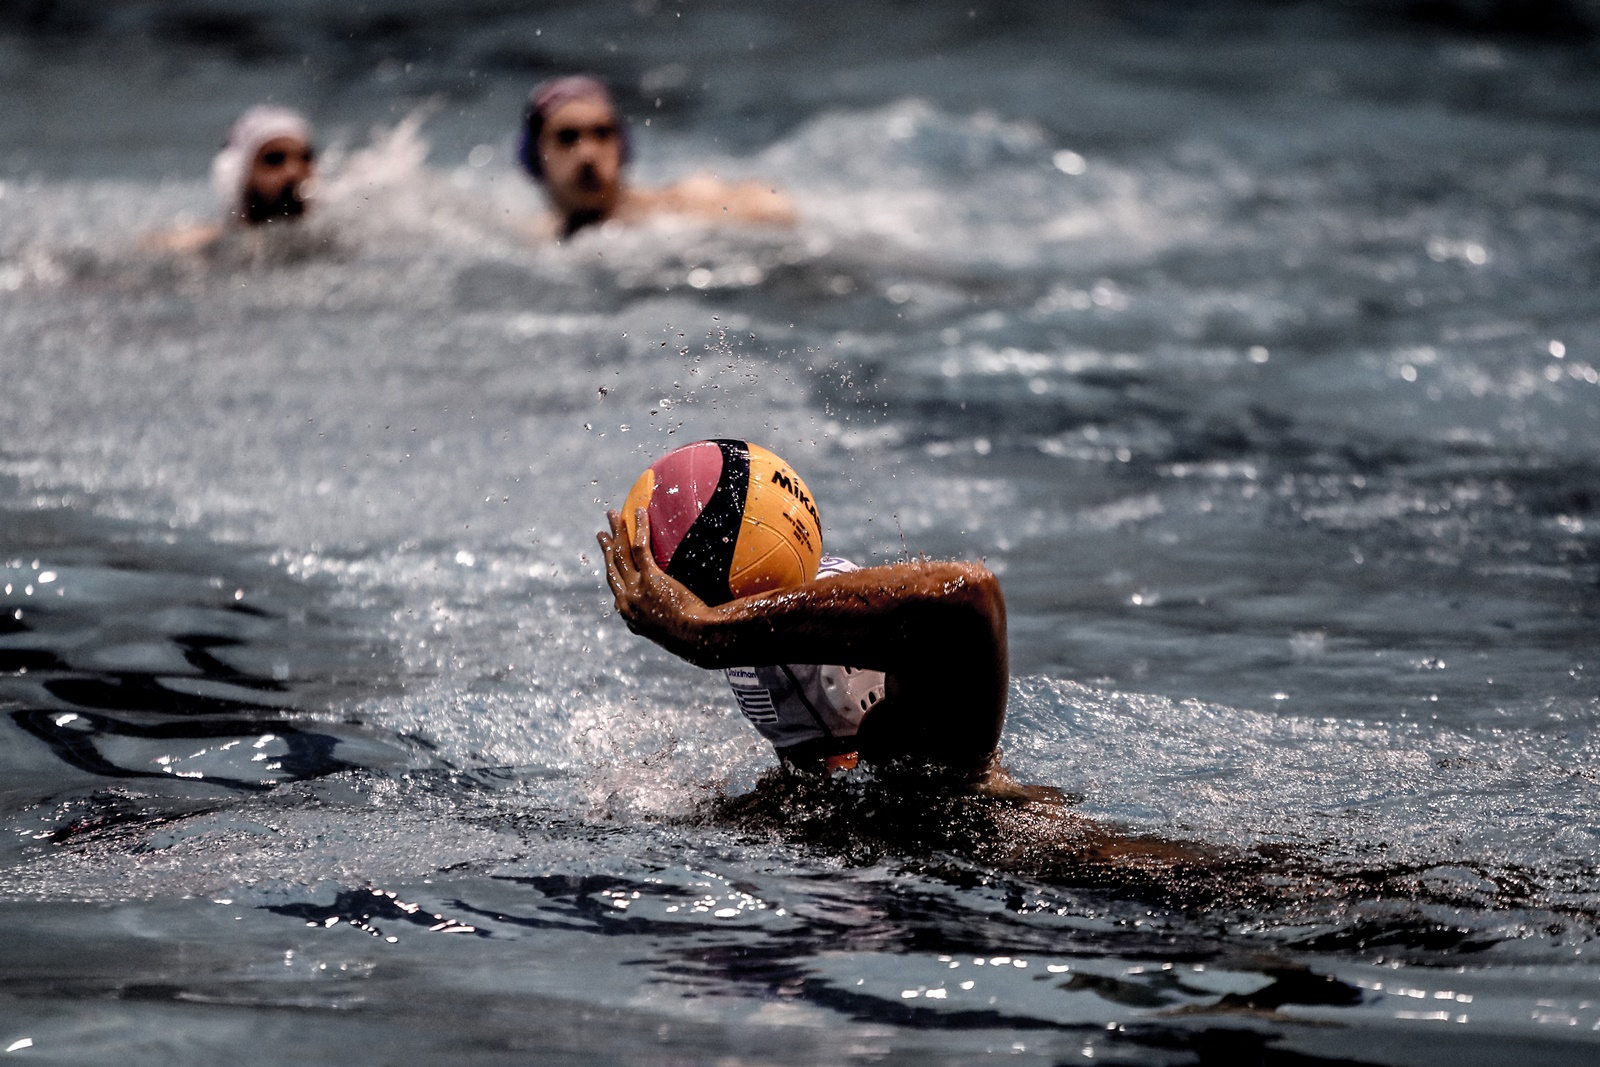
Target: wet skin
[279, 175]
[936, 629]
[580, 150]
[938, 632]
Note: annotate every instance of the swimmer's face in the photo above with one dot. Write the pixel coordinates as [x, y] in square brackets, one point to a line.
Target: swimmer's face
[276, 188]
[580, 148]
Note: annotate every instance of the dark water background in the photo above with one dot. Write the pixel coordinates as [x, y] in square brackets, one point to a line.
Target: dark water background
[1254, 346]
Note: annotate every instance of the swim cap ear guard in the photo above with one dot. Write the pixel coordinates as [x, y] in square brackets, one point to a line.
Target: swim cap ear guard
[533, 125]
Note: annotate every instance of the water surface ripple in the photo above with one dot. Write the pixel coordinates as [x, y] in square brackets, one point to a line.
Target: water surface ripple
[1254, 349]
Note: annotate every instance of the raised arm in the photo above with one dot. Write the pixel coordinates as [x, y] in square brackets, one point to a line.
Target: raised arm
[937, 630]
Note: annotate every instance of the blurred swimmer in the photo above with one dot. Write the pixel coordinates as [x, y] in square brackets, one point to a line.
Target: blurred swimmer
[263, 175]
[575, 145]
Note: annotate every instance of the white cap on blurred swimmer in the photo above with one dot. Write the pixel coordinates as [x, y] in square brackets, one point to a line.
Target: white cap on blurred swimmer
[231, 169]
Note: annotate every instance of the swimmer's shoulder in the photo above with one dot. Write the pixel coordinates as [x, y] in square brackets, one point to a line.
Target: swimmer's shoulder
[542, 228]
[182, 240]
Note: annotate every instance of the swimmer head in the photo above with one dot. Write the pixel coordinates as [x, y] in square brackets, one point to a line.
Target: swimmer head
[575, 145]
[265, 170]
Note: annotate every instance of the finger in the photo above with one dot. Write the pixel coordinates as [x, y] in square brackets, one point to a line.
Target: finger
[616, 543]
[621, 574]
[619, 553]
[608, 541]
[623, 558]
[644, 557]
[613, 578]
[609, 545]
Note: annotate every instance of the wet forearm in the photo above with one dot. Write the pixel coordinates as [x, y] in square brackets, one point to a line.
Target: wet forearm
[878, 618]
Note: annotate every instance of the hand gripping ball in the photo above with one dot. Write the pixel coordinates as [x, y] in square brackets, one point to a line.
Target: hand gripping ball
[728, 519]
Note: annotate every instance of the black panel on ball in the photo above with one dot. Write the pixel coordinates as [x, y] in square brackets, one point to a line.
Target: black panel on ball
[705, 555]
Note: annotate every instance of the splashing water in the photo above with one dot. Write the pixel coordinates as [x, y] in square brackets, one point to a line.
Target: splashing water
[1277, 431]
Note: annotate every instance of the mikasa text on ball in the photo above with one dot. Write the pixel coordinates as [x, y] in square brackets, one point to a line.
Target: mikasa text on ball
[728, 519]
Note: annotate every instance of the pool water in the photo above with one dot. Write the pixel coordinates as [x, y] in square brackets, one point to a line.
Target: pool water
[1254, 349]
